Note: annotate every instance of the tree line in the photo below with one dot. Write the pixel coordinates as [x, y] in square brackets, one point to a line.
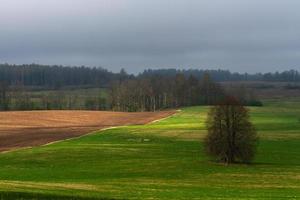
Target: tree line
[131, 95]
[156, 93]
[152, 93]
[55, 77]
[226, 75]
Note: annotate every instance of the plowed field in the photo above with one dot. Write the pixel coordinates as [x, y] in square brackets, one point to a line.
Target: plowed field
[26, 129]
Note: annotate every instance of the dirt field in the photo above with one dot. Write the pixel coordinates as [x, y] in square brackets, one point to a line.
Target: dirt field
[26, 129]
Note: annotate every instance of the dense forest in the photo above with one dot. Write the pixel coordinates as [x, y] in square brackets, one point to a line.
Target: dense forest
[225, 75]
[55, 77]
[58, 76]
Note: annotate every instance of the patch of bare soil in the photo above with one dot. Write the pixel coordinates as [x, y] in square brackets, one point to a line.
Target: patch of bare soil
[33, 128]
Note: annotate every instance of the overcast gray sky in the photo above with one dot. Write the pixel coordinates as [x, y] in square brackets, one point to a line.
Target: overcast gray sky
[239, 35]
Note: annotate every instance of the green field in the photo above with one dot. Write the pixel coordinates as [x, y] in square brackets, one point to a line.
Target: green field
[163, 160]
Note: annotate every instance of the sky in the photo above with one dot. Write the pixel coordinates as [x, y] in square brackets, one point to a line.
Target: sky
[238, 35]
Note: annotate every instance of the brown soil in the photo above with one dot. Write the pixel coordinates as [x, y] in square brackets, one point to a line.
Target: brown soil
[33, 128]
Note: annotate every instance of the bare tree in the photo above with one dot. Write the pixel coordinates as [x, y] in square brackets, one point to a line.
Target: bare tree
[211, 92]
[231, 136]
[155, 93]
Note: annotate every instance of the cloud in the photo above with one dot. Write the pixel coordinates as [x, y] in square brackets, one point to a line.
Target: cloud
[240, 35]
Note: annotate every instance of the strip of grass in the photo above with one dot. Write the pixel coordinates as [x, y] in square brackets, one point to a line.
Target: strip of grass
[163, 160]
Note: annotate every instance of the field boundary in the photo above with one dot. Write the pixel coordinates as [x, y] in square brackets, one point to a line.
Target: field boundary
[87, 134]
[108, 128]
[159, 120]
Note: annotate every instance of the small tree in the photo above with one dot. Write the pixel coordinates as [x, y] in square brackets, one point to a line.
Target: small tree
[231, 136]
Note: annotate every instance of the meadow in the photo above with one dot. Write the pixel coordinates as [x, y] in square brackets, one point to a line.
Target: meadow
[161, 160]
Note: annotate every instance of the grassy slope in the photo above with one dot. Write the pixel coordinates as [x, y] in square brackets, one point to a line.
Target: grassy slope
[160, 161]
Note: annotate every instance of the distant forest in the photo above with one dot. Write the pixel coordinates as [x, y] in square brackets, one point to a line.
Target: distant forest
[59, 76]
[41, 87]
[226, 75]
[55, 77]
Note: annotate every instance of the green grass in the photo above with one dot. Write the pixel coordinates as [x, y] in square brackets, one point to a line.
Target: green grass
[163, 160]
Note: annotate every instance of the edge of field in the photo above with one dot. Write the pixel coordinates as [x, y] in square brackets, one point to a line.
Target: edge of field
[86, 134]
